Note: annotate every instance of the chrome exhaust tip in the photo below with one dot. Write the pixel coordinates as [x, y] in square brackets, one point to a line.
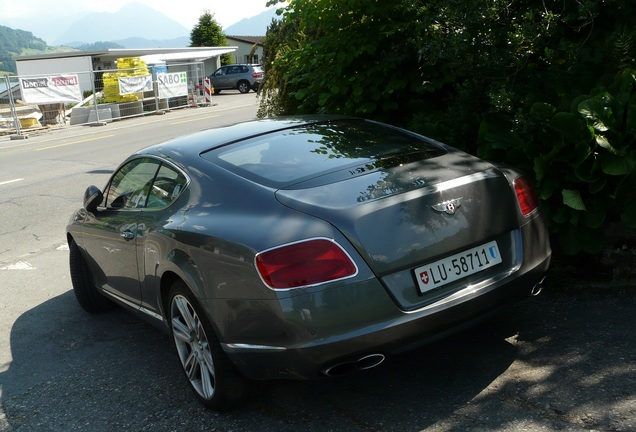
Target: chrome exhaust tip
[361, 363]
[370, 361]
[536, 290]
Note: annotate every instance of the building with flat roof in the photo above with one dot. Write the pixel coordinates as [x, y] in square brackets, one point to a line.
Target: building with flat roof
[82, 62]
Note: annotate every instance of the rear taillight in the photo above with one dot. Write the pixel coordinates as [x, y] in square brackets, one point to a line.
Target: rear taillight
[527, 198]
[309, 262]
[257, 75]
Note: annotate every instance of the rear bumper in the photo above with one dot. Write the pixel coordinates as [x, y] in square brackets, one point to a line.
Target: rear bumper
[396, 332]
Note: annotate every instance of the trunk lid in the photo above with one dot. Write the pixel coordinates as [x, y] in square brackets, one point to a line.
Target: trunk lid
[404, 216]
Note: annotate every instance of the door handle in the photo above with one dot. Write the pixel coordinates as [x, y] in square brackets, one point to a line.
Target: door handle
[128, 235]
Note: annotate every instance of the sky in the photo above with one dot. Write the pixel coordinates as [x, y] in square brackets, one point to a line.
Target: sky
[46, 18]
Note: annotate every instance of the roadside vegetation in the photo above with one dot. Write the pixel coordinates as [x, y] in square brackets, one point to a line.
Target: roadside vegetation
[548, 87]
[209, 33]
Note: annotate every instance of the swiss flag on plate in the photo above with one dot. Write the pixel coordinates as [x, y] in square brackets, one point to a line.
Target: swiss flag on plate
[424, 277]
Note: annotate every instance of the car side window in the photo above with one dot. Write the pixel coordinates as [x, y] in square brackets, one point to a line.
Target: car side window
[220, 72]
[166, 187]
[145, 183]
[130, 185]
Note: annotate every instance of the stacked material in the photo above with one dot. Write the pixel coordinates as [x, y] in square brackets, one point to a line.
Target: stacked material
[126, 67]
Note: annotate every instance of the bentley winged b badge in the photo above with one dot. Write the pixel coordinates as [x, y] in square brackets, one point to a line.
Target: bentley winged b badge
[449, 207]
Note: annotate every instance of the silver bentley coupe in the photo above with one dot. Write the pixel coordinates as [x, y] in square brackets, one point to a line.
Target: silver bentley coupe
[304, 247]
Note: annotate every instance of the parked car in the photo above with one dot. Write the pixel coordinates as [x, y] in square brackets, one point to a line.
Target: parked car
[241, 77]
[304, 247]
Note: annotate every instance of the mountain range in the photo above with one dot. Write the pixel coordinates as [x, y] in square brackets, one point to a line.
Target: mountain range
[133, 26]
[132, 20]
[138, 26]
[253, 26]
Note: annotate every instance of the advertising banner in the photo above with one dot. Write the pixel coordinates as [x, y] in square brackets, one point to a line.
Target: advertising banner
[135, 84]
[51, 89]
[172, 84]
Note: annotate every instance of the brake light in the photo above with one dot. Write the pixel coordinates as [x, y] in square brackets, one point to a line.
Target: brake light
[527, 198]
[257, 75]
[309, 262]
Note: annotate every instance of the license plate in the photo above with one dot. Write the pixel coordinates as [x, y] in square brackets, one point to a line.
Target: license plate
[458, 266]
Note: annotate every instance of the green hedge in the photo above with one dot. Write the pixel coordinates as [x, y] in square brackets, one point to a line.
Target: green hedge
[545, 86]
[583, 160]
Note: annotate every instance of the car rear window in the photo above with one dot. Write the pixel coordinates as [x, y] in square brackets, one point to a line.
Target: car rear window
[295, 154]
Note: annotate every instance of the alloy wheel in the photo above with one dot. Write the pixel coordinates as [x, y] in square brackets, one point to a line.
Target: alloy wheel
[193, 347]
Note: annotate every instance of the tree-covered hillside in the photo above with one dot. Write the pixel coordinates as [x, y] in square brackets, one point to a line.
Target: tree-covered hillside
[13, 43]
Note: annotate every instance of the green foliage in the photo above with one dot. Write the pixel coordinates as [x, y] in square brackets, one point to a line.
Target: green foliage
[208, 33]
[508, 81]
[274, 88]
[13, 42]
[334, 56]
[583, 160]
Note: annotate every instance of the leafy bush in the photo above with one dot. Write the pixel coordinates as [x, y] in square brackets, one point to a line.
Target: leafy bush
[508, 81]
[583, 160]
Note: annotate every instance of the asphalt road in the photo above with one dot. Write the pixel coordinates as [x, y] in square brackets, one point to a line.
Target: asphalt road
[562, 361]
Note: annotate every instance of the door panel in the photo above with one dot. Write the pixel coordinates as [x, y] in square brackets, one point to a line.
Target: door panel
[110, 234]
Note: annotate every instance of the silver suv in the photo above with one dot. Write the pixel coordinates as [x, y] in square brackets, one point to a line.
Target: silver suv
[241, 77]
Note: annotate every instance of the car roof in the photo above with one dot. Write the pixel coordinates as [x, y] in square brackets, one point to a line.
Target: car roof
[186, 147]
[239, 64]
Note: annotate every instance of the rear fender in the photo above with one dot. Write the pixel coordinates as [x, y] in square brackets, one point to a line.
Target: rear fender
[534, 228]
[183, 266]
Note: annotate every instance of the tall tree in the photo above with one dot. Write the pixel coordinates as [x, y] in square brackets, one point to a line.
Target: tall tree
[208, 33]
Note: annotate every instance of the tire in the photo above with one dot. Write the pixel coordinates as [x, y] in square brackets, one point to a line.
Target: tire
[216, 91]
[216, 382]
[86, 293]
[243, 87]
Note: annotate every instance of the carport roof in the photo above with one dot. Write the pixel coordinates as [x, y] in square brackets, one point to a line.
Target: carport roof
[161, 54]
[191, 55]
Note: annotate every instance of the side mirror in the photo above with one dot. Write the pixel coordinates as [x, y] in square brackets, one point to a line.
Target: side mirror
[92, 198]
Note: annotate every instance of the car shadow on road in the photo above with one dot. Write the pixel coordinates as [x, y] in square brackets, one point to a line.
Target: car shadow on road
[546, 362]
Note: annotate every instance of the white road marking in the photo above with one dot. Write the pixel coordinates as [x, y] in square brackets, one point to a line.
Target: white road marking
[10, 181]
[74, 142]
[20, 265]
